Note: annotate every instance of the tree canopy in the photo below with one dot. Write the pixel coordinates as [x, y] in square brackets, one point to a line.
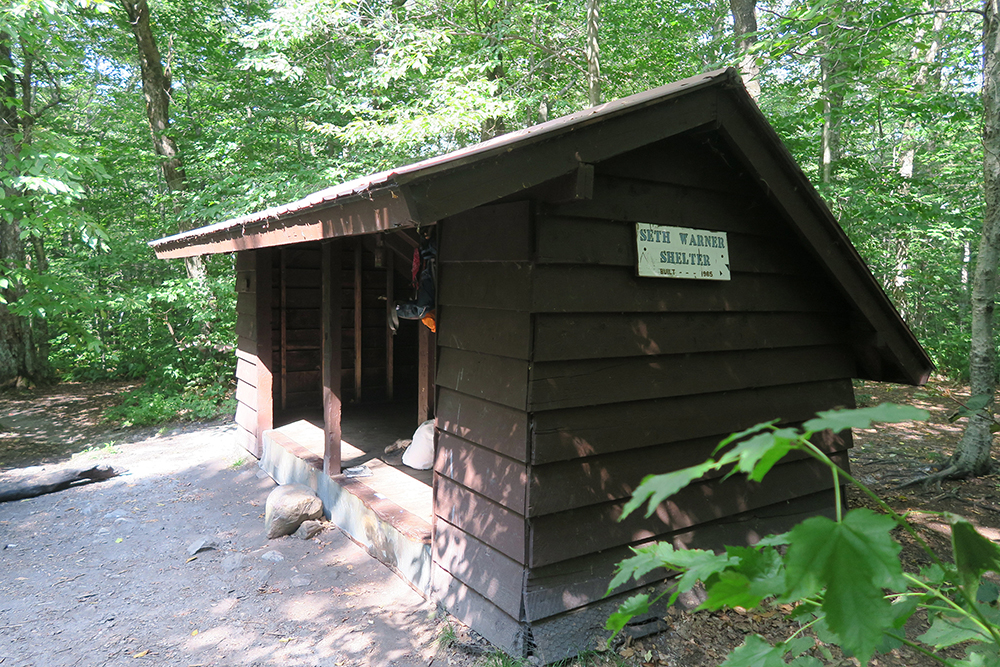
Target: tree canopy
[880, 102]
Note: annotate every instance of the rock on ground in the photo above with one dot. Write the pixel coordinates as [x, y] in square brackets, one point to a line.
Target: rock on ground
[288, 506]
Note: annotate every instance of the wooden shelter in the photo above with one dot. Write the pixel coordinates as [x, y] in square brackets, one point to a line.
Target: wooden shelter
[559, 376]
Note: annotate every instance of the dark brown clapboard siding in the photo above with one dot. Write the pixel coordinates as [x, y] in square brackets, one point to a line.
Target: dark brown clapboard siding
[499, 478]
[691, 159]
[613, 243]
[245, 438]
[491, 425]
[246, 303]
[557, 537]
[487, 521]
[246, 371]
[304, 399]
[567, 384]
[565, 485]
[501, 285]
[246, 416]
[477, 611]
[666, 204]
[567, 434]
[246, 349]
[480, 567]
[246, 394]
[498, 379]
[504, 333]
[303, 297]
[577, 582]
[561, 336]
[303, 360]
[498, 233]
[609, 289]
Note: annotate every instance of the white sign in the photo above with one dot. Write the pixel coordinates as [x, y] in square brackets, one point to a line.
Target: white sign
[679, 252]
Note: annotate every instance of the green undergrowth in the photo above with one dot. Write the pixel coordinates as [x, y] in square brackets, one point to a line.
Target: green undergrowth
[841, 579]
[157, 403]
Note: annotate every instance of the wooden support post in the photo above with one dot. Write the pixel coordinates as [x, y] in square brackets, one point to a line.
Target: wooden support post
[389, 334]
[265, 350]
[283, 319]
[330, 305]
[358, 303]
[425, 373]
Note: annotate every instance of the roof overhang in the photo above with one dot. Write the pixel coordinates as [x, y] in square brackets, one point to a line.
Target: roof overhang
[428, 191]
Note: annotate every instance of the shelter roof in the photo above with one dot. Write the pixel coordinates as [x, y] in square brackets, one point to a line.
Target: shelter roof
[427, 191]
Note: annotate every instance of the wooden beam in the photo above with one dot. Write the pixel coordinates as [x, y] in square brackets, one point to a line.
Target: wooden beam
[791, 193]
[390, 280]
[265, 352]
[385, 209]
[358, 309]
[283, 315]
[330, 305]
[425, 373]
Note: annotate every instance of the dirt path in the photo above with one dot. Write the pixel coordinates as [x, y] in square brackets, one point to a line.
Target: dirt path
[101, 574]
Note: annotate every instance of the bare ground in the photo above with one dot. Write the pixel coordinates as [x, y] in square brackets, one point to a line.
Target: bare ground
[101, 574]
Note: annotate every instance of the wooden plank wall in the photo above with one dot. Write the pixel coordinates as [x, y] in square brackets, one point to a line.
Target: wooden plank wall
[563, 379]
[246, 351]
[481, 467]
[296, 331]
[637, 375]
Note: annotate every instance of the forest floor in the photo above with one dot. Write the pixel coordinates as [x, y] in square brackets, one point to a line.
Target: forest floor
[102, 574]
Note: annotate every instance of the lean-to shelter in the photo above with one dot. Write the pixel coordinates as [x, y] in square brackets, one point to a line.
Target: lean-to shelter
[616, 291]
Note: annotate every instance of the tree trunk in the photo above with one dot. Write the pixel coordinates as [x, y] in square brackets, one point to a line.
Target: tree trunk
[23, 342]
[972, 457]
[156, 87]
[592, 52]
[745, 28]
[928, 72]
[833, 97]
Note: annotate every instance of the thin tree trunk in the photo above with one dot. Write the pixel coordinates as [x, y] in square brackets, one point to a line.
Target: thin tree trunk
[927, 72]
[833, 97]
[23, 342]
[972, 457]
[156, 87]
[593, 52]
[745, 28]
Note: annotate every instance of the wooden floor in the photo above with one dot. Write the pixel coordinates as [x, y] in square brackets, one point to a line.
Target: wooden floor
[367, 431]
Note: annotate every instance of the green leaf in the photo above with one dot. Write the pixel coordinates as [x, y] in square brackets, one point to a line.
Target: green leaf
[753, 575]
[839, 420]
[756, 456]
[756, 652]
[806, 661]
[634, 606]
[694, 564]
[985, 656]
[974, 554]
[988, 593]
[950, 630]
[657, 488]
[797, 645]
[971, 407]
[850, 562]
[744, 433]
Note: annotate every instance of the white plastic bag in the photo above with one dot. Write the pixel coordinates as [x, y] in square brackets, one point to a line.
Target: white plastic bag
[420, 454]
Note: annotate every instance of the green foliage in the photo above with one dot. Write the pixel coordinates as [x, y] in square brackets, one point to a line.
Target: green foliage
[843, 577]
[272, 100]
[155, 404]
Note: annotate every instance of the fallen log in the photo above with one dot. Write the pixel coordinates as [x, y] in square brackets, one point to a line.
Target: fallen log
[50, 482]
